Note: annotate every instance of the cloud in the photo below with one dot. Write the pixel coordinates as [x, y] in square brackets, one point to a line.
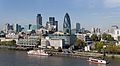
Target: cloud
[112, 3]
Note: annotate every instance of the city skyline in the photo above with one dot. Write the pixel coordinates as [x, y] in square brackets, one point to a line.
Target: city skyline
[89, 13]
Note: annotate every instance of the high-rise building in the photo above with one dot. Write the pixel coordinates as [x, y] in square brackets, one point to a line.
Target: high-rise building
[39, 21]
[52, 25]
[19, 28]
[51, 19]
[77, 27]
[56, 25]
[8, 28]
[16, 28]
[29, 26]
[67, 24]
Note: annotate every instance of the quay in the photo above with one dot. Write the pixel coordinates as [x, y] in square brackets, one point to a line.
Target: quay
[78, 54]
[16, 48]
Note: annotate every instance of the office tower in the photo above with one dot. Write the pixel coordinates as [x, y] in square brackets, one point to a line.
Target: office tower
[7, 27]
[29, 26]
[77, 27]
[51, 19]
[39, 21]
[19, 28]
[52, 25]
[16, 28]
[83, 30]
[55, 25]
[67, 24]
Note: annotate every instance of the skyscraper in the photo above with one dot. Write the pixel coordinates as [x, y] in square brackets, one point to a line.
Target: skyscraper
[39, 21]
[52, 24]
[8, 28]
[16, 28]
[67, 24]
[51, 19]
[77, 27]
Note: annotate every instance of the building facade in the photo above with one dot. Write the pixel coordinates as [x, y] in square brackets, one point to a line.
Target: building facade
[30, 41]
[39, 21]
[67, 24]
[52, 25]
[52, 42]
[77, 27]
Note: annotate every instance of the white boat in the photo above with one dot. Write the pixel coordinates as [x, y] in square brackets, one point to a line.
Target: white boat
[38, 52]
[97, 61]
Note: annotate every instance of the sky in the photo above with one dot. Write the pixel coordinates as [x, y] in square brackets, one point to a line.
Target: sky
[89, 13]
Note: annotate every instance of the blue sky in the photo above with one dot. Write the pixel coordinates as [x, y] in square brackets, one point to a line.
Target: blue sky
[90, 13]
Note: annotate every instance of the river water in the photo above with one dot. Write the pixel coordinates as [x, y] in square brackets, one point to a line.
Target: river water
[20, 58]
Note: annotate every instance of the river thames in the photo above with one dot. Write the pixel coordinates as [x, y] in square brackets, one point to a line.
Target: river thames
[20, 58]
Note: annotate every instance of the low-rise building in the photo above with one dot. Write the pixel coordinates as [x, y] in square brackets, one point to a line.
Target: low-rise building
[52, 42]
[11, 36]
[64, 37]
[30, 41]
[116, 36]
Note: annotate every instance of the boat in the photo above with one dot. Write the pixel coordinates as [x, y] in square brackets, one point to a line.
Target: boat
[38, 52]
[97, 61]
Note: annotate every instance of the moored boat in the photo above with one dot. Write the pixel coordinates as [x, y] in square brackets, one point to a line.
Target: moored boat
[38, 52]
[97, 61]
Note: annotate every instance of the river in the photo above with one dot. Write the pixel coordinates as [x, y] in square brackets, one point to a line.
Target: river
[20, 58]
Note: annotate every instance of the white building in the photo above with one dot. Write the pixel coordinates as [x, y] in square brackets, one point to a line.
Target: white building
[12, 36]
[52, 42]
[116, 34]
[30, 41]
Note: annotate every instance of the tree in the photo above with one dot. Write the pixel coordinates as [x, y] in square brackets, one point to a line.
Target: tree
[59, 49]
[80, 43]
[8, 43]
[94, 37]
[118, 38]
[107, 37]
[99, 46]
[112, 48]
[13, 42]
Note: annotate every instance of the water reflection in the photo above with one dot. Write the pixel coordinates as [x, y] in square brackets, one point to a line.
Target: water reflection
[101, 64]
[37, 56]
[93, 64]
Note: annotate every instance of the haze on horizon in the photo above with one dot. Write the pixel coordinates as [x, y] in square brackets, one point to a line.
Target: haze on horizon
[89, 13]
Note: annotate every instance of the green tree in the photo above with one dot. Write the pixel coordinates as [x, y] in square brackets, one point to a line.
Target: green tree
[59, 49]
[112, 48]
[107, 37]
[99, 45]
[94, 37]
[80, 43]
[13, 43]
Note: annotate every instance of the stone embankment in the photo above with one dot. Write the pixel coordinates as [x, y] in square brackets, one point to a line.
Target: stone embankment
[84, 54]
[77, 54]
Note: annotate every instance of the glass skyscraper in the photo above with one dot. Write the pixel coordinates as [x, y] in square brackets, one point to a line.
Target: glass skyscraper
[39, 21]
[77, 27]
[67, 24]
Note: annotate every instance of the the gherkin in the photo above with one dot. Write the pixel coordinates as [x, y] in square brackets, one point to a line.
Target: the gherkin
[67, 24]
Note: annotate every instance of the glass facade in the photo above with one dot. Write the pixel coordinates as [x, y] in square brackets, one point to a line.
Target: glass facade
[39, 21]
[67, 24]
